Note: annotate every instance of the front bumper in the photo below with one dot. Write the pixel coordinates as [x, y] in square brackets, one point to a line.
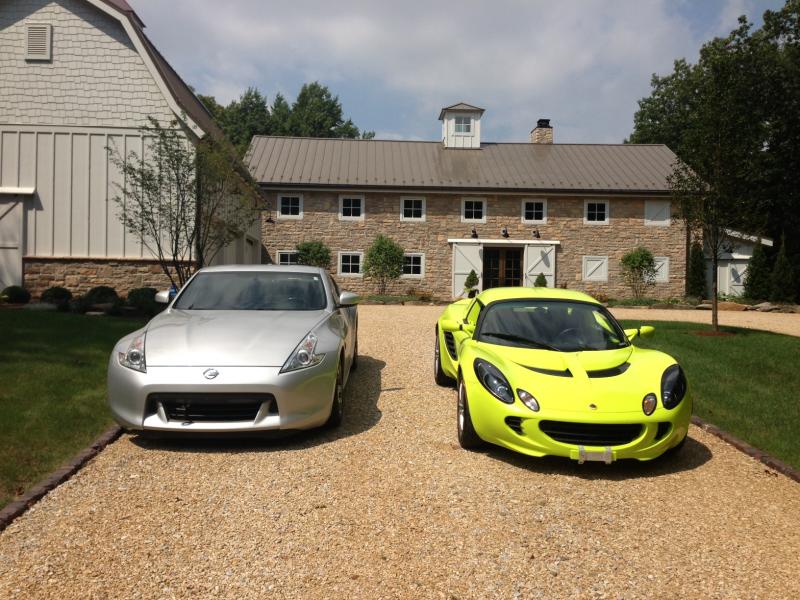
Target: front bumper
[302, 399]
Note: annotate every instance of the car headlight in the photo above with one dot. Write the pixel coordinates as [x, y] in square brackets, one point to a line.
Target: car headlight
[494, 381]
[133, 357]
[528, 400]
[673, 386]
[304, 355]
[649, 404]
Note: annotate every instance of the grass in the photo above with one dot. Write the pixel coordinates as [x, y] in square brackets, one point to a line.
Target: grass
[744, 383]
[387, 299]
[52, 390]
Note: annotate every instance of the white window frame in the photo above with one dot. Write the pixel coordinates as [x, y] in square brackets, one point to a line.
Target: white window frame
[541, 221]
[586, 277]
[469, 133]
[421, 275]
[403, 207]
[342, 198]
[48, 56]
[464, 201]
[360, 274]
[664, 276]
[284, 252]
[281, 216]
[586, 204]
[648, 211]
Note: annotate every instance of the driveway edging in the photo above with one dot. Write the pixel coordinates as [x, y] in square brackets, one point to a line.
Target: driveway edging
[763, 457]
[52, 481]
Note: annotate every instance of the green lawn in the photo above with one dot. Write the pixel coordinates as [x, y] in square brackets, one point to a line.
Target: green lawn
[746, 384]
[52, 390]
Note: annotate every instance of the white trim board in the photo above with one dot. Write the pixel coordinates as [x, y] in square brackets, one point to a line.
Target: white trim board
[18, 191]
[503, 242]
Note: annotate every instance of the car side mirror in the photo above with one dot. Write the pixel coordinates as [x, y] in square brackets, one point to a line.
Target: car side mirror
[451, 326]
[163, 297]
[645, 331]
[348, 299]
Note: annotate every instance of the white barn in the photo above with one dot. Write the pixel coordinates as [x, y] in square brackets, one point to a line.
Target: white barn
[733, 263]
[76, 77]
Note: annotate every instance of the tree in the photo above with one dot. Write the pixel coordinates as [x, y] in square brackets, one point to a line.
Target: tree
[471, 282]
[246, 117]
[314, 254]
[318, 113]
[639, 271]
[384, 261]
[184, 202]
[783, 286]
[758, 281]
[541, 280]
[696, 277]
[279, 116]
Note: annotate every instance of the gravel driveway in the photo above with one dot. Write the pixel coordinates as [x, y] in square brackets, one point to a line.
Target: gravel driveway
[389, 507]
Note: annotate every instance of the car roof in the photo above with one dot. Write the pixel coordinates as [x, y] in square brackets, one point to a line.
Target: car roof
[263, 268]
[540, 293]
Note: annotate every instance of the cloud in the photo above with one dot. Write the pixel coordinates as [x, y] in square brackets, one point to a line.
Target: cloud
[582, 63]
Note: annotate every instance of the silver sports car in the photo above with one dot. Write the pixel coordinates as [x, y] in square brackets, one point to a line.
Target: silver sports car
[241, 348]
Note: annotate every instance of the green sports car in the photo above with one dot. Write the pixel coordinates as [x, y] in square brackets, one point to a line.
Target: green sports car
[551, 372]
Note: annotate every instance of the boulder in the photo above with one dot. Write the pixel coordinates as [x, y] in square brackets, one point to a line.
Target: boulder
[704, 306]
[765, 307]
[732, 306]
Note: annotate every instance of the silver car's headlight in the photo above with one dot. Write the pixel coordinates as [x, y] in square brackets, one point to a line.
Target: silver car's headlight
[304, 355]
[133, 357]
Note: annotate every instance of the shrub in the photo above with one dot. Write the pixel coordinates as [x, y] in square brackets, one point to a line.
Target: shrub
[758, 281]
[696, 277]
[783, 288]
[57, 295]
[471, 282]
[144, 301]
[314, 254]
[16, 295]
[101, 294]
[541, 280]
[639, 270]
[384, 261]
[80, 305]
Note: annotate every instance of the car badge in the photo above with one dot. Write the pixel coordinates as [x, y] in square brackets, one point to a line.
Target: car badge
[593, 406]
[210, 373]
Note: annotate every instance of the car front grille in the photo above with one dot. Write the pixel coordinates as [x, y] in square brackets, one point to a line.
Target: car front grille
[228, 408]
[663, 430]
[590, 434]
[450, 342]
[515, 424]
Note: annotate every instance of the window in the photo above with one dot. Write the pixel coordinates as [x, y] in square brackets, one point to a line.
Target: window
[290, 207]
[534, 211]
[412, 209]
[350, 264]
[288, 258]
[414, 265]
[464, 125]
[351, 208]
[473, 210]
[657, 213]
[662, 269]
[596, 212]
[39, 41]
[595, 268]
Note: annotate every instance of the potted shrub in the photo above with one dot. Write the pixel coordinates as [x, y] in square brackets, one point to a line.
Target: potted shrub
[471, 284]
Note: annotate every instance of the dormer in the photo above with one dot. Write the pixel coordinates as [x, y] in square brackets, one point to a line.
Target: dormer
[461, 126]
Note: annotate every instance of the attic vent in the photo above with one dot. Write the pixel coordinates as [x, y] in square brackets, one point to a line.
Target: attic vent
[39, 41]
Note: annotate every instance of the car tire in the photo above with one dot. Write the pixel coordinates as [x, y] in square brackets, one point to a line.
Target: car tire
[438, 374]
[467, 436]
[354, 364]
[337, 406]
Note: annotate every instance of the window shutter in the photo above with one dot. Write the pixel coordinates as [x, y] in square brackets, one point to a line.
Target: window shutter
[658, 213]
[39, 41]
[662, 269]
[595, 268]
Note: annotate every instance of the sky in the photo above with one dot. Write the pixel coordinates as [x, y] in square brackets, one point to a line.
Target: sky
[581, 63]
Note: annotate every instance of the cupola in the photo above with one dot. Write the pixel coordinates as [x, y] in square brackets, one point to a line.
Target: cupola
[461, 126]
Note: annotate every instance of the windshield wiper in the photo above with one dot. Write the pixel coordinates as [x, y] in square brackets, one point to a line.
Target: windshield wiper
[522, 340]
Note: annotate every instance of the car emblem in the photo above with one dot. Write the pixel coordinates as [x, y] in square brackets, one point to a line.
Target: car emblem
[210, 373]
[593, 406]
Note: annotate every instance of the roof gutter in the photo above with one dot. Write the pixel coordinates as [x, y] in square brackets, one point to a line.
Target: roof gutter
[277, 187]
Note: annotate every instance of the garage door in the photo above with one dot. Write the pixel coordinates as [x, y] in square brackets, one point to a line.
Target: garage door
[10, 241]
[540, 260]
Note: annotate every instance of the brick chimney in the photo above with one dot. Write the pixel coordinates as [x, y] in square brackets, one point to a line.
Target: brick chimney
[543, 133]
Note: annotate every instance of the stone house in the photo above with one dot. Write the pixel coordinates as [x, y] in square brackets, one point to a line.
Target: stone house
[77, 77]
[508, 211]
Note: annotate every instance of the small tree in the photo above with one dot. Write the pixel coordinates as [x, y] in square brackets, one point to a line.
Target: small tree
[541, 280]
[758, 281]
[471, 282]
[696, 278]
[782, 277]
[384, 261]
[314, 254]
[639, 270]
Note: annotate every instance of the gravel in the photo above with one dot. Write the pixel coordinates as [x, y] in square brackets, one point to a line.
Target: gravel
[389, 507]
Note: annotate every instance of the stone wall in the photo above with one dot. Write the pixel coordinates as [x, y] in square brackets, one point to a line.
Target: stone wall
[565, 224]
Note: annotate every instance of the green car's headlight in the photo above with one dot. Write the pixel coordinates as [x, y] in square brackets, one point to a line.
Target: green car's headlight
[673, 387]
[494, 381]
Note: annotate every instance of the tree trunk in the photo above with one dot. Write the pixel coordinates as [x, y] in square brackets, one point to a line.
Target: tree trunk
[715, 292]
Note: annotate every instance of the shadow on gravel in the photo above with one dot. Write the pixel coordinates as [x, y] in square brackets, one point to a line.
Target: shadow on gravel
[361, 414]
[693, 455]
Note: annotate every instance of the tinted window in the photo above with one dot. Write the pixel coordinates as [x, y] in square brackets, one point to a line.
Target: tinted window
[551, 324]
[254, 291]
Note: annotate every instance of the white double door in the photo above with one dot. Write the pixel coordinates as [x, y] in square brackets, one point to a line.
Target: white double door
[537, 259]
[10, 241]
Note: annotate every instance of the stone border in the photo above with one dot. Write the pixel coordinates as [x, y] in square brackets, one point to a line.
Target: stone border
[759, 455]
[52, 481]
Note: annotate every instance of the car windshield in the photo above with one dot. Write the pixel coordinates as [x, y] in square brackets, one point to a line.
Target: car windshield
[253, 290]
[557, 325]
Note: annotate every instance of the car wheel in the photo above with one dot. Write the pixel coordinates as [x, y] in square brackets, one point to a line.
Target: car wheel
[467, 436]
[354, 364]
[337, 407]
[438, 374]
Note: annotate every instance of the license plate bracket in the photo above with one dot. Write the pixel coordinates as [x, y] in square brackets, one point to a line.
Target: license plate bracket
[605, 456]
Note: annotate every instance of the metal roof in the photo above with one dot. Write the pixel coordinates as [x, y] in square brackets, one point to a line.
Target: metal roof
[460, 107]
[352, 163]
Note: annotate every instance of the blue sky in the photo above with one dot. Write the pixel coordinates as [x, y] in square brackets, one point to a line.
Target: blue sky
[581, 63]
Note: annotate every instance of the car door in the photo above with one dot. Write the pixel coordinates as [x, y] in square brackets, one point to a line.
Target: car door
[349, 321]
[471, 316]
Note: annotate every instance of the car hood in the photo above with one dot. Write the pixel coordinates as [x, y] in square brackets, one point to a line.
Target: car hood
[209, 338]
